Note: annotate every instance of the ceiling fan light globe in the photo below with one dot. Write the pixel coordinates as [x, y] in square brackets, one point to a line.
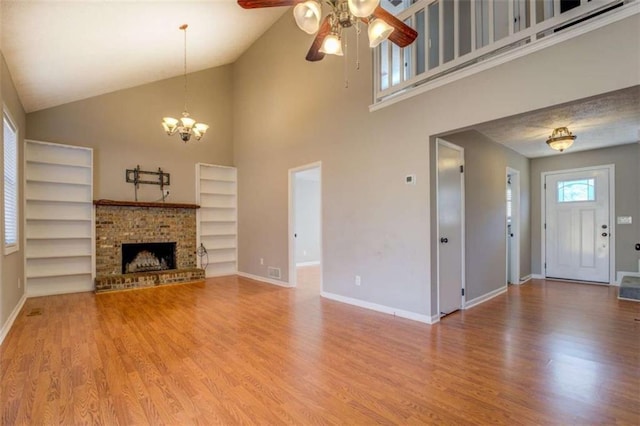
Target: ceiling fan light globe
[307, 16]
[378, 32]
[332, 45]
[362, 8]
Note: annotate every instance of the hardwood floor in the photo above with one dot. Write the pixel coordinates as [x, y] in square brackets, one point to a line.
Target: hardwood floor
[308, 278]
[233, 351]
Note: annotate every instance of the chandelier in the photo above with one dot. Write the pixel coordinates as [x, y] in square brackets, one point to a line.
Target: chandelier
[561, 139]
[186, 126]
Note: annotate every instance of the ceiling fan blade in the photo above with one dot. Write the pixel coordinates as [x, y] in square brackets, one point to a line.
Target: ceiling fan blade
[314, 53]
[257, 4]
[403, 35]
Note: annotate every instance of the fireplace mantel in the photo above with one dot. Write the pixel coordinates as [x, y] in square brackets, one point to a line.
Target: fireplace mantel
[144, 204]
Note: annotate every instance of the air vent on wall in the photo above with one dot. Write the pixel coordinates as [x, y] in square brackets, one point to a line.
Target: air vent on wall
[274, 272]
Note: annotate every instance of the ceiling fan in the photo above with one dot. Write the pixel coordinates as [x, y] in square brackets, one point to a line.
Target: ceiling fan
[343, 14]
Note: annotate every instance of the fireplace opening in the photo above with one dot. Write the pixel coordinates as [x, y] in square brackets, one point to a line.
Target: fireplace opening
[146, 257]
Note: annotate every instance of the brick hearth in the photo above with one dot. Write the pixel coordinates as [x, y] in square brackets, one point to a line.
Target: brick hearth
[119, 222]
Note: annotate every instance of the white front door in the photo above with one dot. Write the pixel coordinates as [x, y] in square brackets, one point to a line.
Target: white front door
[577, 230]
[450, 160]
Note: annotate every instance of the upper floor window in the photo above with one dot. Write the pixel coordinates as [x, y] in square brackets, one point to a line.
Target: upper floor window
[10, 184]
[459, 34]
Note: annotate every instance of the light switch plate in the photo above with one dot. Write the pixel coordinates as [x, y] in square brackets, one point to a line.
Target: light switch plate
[624, 220]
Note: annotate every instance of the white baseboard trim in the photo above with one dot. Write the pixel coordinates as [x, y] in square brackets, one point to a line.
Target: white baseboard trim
[9, 323]
[378, 308]
[310, 263]
[265, 279]
[525, 279]
[43, 293]
[620, 274]
[478, 300]
[537, 276]
[435, 318]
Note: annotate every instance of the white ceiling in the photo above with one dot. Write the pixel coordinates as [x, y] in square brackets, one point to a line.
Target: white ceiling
[63, 51]
[601, 121]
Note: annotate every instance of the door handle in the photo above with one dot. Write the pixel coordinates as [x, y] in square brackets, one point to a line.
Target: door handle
[604, 234]
[444, 240]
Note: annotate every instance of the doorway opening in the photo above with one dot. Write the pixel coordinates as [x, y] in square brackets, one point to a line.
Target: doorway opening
[513, 226]
[305, 227]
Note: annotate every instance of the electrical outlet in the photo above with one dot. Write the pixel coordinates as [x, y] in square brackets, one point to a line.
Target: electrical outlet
[358, 280]
[262, 261]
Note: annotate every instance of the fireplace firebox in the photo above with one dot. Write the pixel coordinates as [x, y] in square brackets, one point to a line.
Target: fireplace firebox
[145, 257]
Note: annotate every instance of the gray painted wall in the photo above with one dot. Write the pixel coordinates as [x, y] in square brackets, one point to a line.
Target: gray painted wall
[288, 112]
[283, 112]
[626, 159]
[124, 129]
[307, 205]
[11, 265]
[486, 165]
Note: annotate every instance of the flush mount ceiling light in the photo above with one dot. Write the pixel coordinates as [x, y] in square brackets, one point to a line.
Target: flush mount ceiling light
[342, 14]
[561, 139]
[186, 126]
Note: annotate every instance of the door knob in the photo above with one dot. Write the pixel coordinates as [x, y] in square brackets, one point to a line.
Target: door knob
[604, 234]
[444, 240]
[604, 226]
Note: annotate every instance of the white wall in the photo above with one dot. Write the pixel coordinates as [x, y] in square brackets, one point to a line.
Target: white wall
[307, 205]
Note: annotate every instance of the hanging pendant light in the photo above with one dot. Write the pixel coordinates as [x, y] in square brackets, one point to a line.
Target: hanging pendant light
[186, 126]
[561, 139]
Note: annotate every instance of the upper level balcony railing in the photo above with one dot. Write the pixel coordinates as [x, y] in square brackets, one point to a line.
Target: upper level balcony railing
[459, 34]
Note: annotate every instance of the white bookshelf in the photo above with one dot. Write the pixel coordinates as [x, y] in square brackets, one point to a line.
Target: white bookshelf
[59, 224]
[217, 195]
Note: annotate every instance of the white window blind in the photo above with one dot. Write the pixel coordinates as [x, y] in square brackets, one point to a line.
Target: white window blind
[10, 185]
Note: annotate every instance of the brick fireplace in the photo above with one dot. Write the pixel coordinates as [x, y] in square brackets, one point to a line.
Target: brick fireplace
[145, 228]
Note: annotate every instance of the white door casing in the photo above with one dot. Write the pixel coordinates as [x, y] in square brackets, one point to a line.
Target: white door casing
[450, 226]
[577, 224]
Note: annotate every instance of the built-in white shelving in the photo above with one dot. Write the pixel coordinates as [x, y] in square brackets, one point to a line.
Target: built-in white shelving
[59, 224]
[216, 193]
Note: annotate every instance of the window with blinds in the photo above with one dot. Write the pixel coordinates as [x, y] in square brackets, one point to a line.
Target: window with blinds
[10, 185]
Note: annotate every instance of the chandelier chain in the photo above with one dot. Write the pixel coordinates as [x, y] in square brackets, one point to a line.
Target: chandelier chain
[185, 68]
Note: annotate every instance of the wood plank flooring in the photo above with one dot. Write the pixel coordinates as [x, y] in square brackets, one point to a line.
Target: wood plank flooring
[234, 351]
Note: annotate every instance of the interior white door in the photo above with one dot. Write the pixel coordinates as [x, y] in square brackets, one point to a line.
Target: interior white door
[513, 226]
[577, 231]
[450, 160]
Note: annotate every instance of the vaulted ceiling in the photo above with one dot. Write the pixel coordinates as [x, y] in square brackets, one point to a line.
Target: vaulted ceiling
[63, 51]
